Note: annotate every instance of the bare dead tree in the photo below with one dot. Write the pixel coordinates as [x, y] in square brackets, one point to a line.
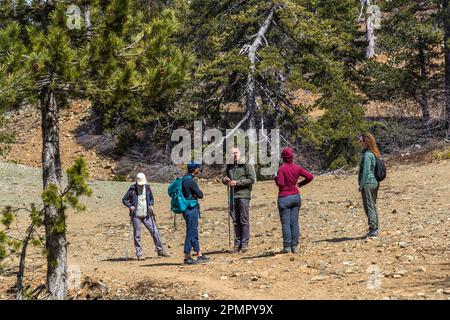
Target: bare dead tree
[370, 30]
[251, 51]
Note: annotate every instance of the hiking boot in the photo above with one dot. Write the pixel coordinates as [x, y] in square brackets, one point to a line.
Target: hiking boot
[244, 249]
[372, 234]
[139, 258]
[294, 249]
[286, 250]
[202, 259]
[163, 254]
[190, 261]
[235, 249]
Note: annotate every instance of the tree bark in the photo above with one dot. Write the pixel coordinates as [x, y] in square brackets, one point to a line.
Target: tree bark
[87, 19]
[23, 255]
[250, 88]
[446, 11]
[370, 35]
[56, 244]
[424, 96]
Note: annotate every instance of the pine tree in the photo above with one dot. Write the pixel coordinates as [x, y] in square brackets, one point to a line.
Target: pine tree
[411, 39]
[124, 63]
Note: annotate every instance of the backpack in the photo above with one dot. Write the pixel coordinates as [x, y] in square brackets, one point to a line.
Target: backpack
[380, 170]
[178, 203]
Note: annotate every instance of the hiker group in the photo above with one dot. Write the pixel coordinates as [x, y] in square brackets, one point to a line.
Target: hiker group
[239, 178]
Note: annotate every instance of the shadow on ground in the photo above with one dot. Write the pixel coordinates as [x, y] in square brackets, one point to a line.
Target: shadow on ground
[342, 239]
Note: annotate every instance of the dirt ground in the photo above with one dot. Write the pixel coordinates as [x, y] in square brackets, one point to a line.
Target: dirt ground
[411, 255]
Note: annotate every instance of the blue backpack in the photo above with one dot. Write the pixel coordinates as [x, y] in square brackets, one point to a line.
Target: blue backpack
[178, 202]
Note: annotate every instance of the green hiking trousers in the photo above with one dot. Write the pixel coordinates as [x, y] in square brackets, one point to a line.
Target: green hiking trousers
[369, 198]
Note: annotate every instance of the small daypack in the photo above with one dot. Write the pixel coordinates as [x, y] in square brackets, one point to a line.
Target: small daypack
[178, 203]
[380, 169]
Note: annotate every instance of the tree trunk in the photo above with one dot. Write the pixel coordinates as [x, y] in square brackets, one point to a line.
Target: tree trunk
[370, 35]
[56, 244]
[424, 96]
[87, 19]
[446, 10]
[252, 50]
[23, 255]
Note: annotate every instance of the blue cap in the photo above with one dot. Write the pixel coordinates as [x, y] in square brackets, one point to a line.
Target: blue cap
[192, 165]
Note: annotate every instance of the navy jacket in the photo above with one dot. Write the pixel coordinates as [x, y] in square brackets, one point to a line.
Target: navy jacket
[131, 200]
[191, 189]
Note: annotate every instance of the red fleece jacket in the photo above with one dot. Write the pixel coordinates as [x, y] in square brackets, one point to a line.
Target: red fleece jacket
[288, 174]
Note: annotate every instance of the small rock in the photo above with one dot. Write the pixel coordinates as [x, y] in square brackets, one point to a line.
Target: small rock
[446, 291]
[401, 272]
[394, 211]
[319, 278]
[420, 269]
[223, 278]
[403, 244]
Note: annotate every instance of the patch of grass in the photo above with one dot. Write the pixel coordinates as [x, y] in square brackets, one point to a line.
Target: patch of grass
[442, 155]
[120, 178]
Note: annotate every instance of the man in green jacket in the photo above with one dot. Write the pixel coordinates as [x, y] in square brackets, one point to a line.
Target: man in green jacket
[240, 178]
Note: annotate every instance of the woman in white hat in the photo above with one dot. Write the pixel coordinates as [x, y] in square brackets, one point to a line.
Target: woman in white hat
[139, 199]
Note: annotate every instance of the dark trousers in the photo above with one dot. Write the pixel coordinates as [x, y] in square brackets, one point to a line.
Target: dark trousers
[241, 222]
[191, 240]
[289, 208]
[369, 197]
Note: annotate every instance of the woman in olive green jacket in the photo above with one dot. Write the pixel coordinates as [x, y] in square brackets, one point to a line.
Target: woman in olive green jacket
[368, 184]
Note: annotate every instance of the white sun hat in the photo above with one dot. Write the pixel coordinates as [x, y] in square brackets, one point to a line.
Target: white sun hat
[140, 179]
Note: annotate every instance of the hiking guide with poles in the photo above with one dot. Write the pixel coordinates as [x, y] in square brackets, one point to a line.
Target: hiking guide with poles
[239, 178]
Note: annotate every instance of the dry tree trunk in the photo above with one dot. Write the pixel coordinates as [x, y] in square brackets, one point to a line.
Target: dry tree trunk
[87, 19]
[370, 35]
[251, 51]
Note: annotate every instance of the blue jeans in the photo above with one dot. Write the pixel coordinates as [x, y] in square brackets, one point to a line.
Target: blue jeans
[289, 207]
[191, 241]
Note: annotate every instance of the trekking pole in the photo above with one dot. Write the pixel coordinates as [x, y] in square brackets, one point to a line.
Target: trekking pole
[129, 241]
[174, 221]
[229, 216]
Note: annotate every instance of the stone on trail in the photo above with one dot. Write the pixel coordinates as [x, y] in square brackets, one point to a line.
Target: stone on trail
[403, 244]
[320, 278]
[420, 269]
[446, 291]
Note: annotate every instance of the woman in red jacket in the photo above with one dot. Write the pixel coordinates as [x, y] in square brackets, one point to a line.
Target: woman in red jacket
[289, 201]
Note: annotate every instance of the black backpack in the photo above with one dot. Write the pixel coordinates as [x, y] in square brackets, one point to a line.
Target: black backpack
[380, 169]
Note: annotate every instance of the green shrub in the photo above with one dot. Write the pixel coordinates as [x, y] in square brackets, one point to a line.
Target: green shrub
[334, 135]
[444, 155]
